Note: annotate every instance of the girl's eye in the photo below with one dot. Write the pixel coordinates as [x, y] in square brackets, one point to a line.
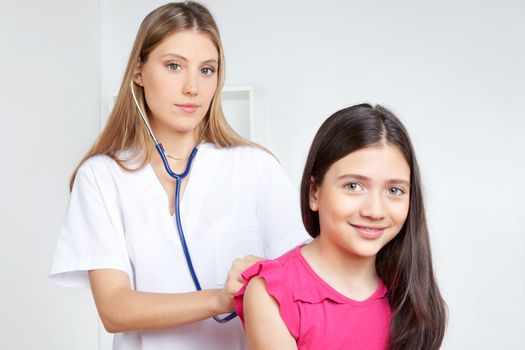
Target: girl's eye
[354, 187]
[207, 71]
[395, 191]
[174, 66]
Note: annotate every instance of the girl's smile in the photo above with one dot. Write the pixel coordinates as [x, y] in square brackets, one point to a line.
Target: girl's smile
[369, 232]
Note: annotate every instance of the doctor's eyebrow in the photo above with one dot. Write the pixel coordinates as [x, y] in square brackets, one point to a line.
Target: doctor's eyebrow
[182, 58]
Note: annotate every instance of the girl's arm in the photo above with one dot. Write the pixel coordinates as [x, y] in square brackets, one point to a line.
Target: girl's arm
[123, 309]
[265, 328]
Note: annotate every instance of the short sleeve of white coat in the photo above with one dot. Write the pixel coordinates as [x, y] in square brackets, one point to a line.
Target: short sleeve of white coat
[278, 210]
[88, 239]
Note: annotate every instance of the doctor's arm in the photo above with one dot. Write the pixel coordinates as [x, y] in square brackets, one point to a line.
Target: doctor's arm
[123, 309]
[265, 328]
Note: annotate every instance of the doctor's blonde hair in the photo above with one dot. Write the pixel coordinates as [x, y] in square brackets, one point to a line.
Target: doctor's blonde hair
[124, 129]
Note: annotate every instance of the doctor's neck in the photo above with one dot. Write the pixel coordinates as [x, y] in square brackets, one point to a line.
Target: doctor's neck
[177, 145]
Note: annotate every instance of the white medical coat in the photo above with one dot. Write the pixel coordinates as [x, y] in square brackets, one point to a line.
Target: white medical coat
[237, 201]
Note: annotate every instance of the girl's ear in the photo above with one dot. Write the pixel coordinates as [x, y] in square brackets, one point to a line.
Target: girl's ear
[314, 195]
[137, 75]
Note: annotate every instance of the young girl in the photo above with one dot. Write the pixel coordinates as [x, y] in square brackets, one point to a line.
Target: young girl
[366, 280]
[122, 234]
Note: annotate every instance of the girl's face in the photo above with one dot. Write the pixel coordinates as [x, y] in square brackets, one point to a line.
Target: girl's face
[179, 80]
[363, 200]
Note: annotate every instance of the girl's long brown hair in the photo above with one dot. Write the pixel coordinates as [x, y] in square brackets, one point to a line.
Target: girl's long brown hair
[124, 130]
[405, 263]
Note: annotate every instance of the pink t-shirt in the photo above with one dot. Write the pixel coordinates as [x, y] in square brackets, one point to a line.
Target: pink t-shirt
[318, 316]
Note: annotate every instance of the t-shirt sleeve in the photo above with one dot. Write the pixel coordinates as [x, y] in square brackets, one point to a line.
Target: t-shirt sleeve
[278, 286]
[278, 211]
[88, 238]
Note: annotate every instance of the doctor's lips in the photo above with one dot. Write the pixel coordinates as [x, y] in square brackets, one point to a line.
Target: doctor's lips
[188, 107]
[369, 232]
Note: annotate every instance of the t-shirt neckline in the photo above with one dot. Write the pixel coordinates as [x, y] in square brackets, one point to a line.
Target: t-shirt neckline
[379, 292]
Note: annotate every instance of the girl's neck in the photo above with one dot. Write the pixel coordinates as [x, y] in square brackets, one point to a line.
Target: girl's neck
[351, 275]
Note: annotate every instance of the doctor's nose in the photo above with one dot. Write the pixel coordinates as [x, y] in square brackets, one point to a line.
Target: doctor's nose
[373, 207]
[190, 87]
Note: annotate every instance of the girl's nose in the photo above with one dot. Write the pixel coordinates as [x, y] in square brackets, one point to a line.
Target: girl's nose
[373, 207]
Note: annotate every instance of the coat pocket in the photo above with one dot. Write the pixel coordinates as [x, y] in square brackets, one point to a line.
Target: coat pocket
[234, 237]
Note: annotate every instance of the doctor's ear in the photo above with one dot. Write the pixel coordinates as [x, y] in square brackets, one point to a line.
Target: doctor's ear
[314, 195]
[137, 74]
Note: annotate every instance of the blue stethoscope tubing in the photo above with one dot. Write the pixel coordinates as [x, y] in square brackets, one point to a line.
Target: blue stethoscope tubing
[178, 180]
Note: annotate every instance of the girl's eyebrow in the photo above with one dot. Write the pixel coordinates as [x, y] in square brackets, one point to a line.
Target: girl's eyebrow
[367, 179]
[182, 58]
[354, 176]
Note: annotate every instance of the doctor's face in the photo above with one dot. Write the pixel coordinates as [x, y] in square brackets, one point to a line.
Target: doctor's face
[179, 79]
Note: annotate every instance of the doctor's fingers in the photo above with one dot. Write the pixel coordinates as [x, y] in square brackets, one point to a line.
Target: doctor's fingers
[240, 265]
[234, 279]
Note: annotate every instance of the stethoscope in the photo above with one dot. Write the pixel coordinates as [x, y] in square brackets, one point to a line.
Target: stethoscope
[178, 180]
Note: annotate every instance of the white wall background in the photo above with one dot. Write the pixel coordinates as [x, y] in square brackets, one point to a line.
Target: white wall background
[49, 105]
[453, 71]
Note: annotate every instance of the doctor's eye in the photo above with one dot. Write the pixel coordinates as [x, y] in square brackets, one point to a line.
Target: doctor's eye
[354, 187]
[174, 66]
[395, 191]
[207, 70]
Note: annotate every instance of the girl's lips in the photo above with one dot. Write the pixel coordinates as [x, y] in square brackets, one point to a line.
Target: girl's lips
[188, 108]
[369, 232]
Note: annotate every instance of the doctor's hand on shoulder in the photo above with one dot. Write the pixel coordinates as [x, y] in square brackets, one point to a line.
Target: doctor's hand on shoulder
[234, 280]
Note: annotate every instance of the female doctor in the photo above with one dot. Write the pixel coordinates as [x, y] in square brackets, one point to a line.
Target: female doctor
[120, 235]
